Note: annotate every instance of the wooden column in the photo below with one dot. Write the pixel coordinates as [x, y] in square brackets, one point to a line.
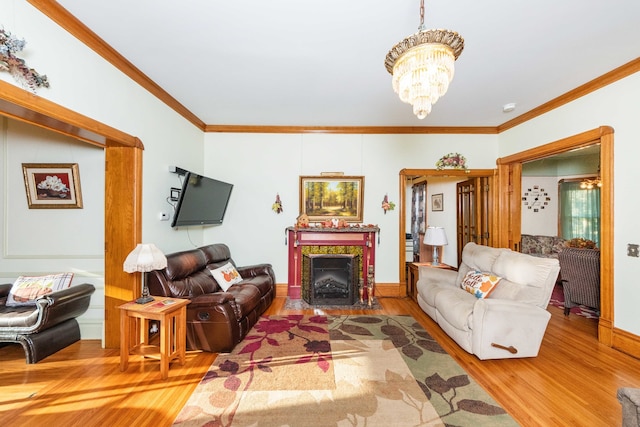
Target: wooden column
[123, 231]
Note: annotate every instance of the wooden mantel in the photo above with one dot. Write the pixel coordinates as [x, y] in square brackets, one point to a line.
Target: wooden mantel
[298, 238]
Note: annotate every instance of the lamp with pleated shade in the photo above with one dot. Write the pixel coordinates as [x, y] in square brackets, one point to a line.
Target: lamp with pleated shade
[144, 258]
[436, 237]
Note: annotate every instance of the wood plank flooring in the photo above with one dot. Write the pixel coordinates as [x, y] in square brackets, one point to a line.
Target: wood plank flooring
[573, 381]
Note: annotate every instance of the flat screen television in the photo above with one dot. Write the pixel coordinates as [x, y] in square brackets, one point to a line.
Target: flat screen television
[202, 201]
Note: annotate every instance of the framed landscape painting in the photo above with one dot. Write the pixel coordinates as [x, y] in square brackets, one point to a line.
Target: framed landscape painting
[328, 197]
[52, 185]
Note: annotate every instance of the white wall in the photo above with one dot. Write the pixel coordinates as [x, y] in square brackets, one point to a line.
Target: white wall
[446, 218]
[84, 82]
[262, 165]
[45, 241]
[617, 106]
[542, 219]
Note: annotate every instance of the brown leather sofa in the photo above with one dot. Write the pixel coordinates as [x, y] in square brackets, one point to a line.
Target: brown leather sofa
[216, 320]
[49, 325]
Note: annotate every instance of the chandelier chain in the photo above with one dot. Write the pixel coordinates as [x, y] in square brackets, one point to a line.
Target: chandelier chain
[421, 27]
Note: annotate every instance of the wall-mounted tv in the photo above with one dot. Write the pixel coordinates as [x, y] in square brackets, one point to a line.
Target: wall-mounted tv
[202, 201]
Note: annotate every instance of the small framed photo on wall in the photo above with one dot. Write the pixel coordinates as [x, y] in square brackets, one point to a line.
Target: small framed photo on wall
[437, 203]
[52, 185]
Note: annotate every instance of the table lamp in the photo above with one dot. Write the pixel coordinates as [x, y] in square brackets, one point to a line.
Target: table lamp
[435, 236]
[144, 258]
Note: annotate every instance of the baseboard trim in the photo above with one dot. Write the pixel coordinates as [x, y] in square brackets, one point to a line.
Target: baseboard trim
[626, 342]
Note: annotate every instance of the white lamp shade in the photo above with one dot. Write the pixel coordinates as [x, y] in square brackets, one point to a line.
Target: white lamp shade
[145, 257]
[435, 236]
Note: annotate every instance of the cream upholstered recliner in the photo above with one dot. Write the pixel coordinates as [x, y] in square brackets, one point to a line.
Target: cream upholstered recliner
[511, 321]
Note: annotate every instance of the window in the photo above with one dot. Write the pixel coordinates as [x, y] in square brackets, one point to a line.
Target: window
[579, 211]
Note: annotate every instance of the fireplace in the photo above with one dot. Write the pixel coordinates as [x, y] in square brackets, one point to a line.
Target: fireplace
[330, 279]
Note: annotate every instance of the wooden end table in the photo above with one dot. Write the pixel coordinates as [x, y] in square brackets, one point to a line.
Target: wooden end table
[171, 313]
[412, 277]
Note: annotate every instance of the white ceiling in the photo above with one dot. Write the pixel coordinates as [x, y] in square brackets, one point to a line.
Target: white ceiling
[321, 62]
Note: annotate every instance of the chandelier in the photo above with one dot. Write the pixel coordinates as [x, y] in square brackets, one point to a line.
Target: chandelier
[422, 66]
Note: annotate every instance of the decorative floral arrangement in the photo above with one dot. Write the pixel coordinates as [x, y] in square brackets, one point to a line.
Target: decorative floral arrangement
[387, 205]
[277, 205]
[27, 77]
[52, 186]
[453, 161]
[581, 243]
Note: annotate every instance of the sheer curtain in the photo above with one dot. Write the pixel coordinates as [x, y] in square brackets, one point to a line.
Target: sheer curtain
[579, 211]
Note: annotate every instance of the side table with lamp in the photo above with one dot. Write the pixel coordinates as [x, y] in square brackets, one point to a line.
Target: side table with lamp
[170, 313]
[436, 237]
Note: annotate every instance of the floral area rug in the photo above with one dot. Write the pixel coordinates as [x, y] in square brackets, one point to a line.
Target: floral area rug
[359, 370]
[557, 300]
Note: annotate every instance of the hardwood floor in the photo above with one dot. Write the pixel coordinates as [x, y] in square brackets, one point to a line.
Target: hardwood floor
[573, 381]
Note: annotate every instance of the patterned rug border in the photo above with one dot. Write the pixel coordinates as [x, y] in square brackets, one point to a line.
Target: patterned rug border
[435, 385]
[300, 304]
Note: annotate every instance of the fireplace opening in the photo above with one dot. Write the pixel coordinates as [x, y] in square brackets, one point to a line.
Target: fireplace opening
[330, 279]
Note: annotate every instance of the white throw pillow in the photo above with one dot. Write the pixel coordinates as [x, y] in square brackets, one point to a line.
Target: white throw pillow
[226, 276]
[26, 289]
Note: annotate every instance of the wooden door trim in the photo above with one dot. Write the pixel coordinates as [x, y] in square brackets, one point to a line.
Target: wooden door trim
[511, 213]
[404, 175]
[123, 188]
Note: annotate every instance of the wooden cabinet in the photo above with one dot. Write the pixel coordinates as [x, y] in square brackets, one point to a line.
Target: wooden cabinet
[412, 277]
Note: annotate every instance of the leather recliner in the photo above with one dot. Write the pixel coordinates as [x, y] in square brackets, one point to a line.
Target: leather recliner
[216, 320]
[49, 325]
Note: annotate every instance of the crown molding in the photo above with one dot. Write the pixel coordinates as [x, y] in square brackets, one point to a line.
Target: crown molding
[612, 76]
[76, 28]
[71, 24]
[351, 129]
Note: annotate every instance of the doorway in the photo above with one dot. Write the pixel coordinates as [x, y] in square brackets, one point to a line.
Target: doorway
[407, 176]
[509, 212]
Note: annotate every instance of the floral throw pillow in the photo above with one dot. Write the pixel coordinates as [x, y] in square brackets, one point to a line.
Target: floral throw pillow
[26, 289]
[226, 276]
[479, 284]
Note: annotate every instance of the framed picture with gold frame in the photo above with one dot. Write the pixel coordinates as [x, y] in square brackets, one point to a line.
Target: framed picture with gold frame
[52, 185]
[327, 197]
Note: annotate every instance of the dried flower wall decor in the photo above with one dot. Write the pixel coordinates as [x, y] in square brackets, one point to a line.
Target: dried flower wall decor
[452, 161]
[387, 205]
[27, 77]
[277, 205]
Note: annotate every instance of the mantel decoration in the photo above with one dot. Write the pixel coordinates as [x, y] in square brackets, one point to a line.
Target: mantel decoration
[387, 205]
[27, 77]
[277, 205]
[452, 161]
[422, 66]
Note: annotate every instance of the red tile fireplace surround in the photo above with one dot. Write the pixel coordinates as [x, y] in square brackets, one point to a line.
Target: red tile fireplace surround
[304, 241]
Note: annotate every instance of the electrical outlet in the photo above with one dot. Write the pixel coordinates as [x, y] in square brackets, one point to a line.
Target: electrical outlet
[632, 250]
[164, 216]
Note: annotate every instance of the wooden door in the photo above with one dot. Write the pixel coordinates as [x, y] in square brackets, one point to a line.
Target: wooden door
[509, 213]
[473, 212]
